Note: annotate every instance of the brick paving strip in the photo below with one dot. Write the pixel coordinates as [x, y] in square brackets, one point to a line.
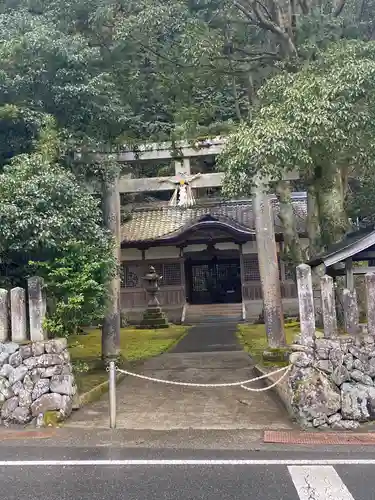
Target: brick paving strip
[14, 434]
[334, 438]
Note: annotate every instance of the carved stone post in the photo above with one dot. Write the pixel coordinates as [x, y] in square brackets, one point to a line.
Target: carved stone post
[306, 303]
[370, 296]
[18, 314]
[37, 308]
[153, 316]
[328, 307]
[112, 221]
[351, 314]
[4, 314]
[268, 266]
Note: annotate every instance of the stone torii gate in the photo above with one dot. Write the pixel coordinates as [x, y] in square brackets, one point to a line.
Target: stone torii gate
[182, 152]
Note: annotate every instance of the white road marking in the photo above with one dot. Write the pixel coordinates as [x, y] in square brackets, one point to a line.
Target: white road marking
[22, 463]
[319, 483]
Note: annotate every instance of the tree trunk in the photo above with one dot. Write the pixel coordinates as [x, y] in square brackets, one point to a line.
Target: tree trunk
[331, 200]
[292, 245]
[313, 224]
[235, 97]
[268, 267]
[111, 323]
[251, 96]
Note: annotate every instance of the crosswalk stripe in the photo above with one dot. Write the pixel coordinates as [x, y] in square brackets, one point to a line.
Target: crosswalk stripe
[318, 483]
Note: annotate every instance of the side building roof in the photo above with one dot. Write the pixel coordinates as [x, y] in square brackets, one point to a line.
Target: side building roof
[351, 245]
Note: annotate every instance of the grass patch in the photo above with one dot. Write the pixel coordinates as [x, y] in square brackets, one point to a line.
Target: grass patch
[135, 346]
[253, 339]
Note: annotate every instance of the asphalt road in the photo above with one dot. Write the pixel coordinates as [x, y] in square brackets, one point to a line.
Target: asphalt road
[33, 473]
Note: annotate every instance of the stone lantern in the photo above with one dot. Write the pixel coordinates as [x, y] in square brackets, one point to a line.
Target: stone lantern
[151, 284]
[153, 316]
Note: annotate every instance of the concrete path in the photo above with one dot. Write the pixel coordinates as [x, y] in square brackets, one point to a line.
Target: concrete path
[210, 338]
[146, 405]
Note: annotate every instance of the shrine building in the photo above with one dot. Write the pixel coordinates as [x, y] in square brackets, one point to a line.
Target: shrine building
[203, 246]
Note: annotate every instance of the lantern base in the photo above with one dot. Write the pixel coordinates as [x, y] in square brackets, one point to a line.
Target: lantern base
[154, 317]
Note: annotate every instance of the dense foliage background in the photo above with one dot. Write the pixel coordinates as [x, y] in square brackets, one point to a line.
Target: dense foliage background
[291, 82]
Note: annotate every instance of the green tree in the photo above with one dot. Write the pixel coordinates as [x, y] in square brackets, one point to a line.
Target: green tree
[213, 55]
[47, 70]
[168, 68]
[51, 226]
[110, 72]
[319, 121]
[53, 86]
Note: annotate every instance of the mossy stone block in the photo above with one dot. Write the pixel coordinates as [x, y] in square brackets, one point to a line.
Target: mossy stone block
[154, 318]
[276, 354]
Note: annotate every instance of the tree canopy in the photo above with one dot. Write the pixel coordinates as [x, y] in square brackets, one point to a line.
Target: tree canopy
[50, 226]
[122, 71]
[319, 121]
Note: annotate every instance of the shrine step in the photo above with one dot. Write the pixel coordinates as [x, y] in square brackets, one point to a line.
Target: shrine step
[211, 313]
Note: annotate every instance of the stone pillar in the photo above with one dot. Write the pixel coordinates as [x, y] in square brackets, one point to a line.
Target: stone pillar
[242, 271]
[306, 303]
[37, 308]
[370, 296]
[112, 221]
[318, 311]
[328, 306]
[351, 315]
[4, 315]
[268, 266]
[18, 314]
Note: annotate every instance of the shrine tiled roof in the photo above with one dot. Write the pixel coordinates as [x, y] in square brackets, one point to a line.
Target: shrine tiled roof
[152, 223]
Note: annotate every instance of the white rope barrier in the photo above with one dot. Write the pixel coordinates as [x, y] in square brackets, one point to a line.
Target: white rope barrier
[269, 386]
[112, 368]
[241, 383]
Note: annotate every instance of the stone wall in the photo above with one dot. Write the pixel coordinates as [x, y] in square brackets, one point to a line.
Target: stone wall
[333, 382]
[35, 378]
[332, 379]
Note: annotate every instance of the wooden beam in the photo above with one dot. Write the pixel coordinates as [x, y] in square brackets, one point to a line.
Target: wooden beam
[148, 184]
[167, 150]
[200, 241]
[363, 270]
[357, 271]
[181, 152]
[365, 255]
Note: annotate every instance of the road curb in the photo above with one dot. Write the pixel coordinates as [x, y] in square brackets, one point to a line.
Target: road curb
[319, 438]
[8, 434]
